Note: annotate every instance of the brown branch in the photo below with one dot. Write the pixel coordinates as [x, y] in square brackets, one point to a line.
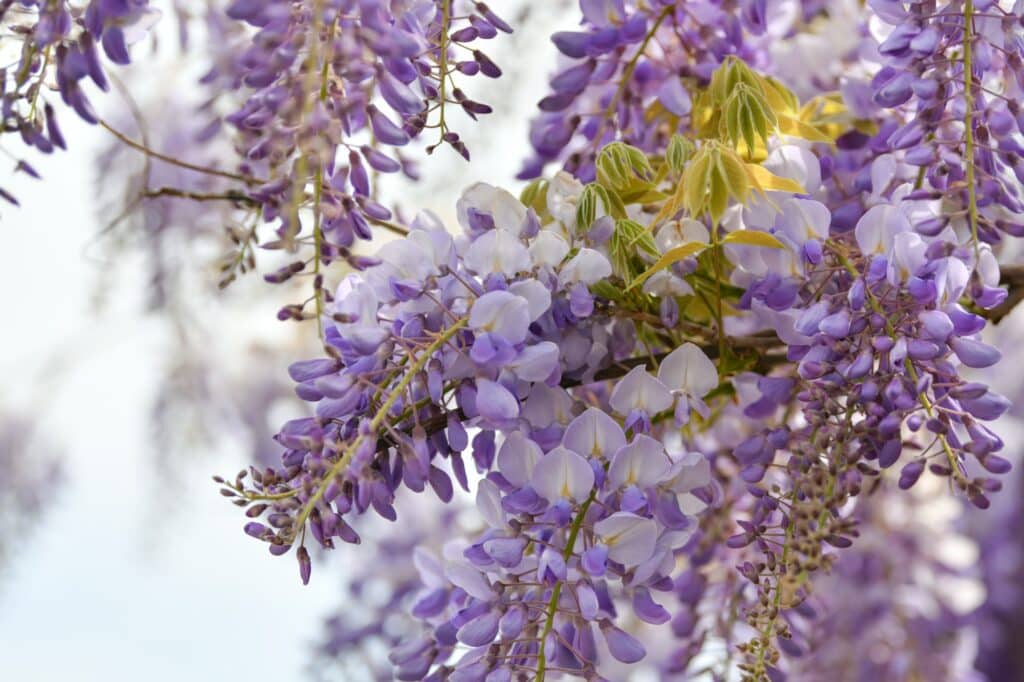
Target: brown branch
[1012, 277]
[772, 353]
[229, 195]
[247, 179]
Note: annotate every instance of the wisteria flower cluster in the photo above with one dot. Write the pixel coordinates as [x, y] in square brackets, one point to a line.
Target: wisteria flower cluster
[703, 401]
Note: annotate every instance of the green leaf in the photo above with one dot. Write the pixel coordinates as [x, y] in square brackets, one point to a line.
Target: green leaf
[753, 238]
[718, 190]
[679, 152]
[619, 165]
[628, 241]
[735, 173]
[593, 198]
[671, 256]
[797, 128]
[535, 196]
[606, 289]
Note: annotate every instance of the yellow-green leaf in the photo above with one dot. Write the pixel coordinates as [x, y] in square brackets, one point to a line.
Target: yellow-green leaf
[671, 256]
[764, 180]
[753, 238]
[797, 128]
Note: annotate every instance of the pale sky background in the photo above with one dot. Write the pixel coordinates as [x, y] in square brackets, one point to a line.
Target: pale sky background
[126, 576]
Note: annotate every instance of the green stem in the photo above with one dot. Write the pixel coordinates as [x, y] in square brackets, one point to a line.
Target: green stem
[442, 45]
[627, 73]
[972, 195]
[556, 592]
[719, 315]
[39, 84]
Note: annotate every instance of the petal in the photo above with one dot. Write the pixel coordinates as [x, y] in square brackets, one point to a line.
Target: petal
[647, 609]
[481, 630]
[536, 363]
[563, 473]
[471, 580]
[631, 539]
[538, 298]
[497, 252]
[587, 267]
[622, 646]
[689, 370]
[642, 463]
[517, 458]
[548, 248]
[501, 313]
[488, 502]
[638, 390]
[494, 402]
[594, 434]
[505, 210]
[506, 551]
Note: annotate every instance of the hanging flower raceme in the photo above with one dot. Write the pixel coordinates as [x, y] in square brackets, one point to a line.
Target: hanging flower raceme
[682, 374]
[593, 520]
[952, 72]
[332, 91]
[62, 42]
[439, 336]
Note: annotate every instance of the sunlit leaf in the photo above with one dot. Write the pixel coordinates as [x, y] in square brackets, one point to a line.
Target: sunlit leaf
[671, 256]
[797, 128]
[753, 238]
[764, 180]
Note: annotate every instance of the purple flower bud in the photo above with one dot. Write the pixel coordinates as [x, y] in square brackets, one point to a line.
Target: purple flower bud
[399, 96]
[896, 90]
[512, 623]
[306, 370]
[622, 646]
[571, 43]
[808, 322]
[386, 131]
[974, 353]
[114, 45]
[647, 609]
[574, 79]
[483, 28]
[465, 35]
[594, 561]
[996, 464]
[936, 324]
[305, 565]
[357, 174]
[910, 473]
[487, 67]
[926, 41]
[988, 407]
[506, 551]
[493, 18]
[836, 325]
[481, 630]
[635, 28]
[919, 349]
[430, 604]
[255, 529]
[889, 453]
